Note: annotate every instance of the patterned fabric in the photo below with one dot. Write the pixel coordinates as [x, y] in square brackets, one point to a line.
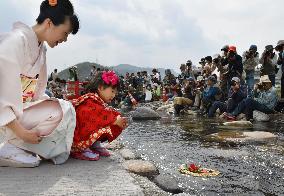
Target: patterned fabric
[28, 88]
[267, 98]
[94, 121]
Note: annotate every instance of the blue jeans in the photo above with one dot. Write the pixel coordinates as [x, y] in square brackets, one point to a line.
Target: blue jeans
[248, 105]
[215, 106]
[223, 107]
[272, 79]
[250, 82]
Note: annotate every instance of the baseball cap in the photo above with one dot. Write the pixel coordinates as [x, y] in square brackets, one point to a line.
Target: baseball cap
[236, 79]
[253, 47]
[212, 78]
[233, 48]
[269, 47]
[226, 47]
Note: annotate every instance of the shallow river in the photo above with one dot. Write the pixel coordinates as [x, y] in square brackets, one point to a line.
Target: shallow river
[247, 169]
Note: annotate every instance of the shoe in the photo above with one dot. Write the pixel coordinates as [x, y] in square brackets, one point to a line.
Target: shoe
[101, 151]
[195, 108]
[87, 155]
[229, 116]
[12, 156]
[201, 112]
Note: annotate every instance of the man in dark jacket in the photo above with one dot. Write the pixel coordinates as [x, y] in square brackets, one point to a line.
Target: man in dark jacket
[235, 63]
[237, 93]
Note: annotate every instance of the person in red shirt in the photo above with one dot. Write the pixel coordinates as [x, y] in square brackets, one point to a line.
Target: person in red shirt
[96, 122]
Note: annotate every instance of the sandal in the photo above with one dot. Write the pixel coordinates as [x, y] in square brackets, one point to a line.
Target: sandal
[86, 155]
[12, 156]
[229, 116]
[101, 151]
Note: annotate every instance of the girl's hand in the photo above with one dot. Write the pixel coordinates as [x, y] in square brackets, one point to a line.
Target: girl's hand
[121, 122]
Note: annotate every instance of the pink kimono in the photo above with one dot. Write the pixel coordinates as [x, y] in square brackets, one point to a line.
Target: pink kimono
[22, 57]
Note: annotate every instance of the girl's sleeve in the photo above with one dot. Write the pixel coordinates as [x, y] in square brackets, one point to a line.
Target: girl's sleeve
[92, 114]
[11, 55]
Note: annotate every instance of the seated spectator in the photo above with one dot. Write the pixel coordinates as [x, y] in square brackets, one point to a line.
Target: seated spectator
[265, 100]
[208, 95]
[180, 102]
[237, 93]
[199, 88]
[156, 92]
[148, 94]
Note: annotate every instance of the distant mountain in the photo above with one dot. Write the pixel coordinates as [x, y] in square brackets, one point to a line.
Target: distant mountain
[123, 68]
[84, 70]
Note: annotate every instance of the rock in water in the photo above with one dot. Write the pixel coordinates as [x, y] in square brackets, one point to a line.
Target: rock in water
[167, 183]
[260, 116]
[165, 107]
[114, 145]
[127, 154]
[140, 167]
[239, 123]
[143, 113]
[240, 136]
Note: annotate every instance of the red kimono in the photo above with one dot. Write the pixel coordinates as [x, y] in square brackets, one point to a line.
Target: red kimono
[94, 122]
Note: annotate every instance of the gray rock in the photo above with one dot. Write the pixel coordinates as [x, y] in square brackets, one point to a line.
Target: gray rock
[183, 194]
[114, 145]
[260, 116]
[140, 167]
[240, 136]
[144, 113]
[238, 124]
[167, 183]
[127, 154]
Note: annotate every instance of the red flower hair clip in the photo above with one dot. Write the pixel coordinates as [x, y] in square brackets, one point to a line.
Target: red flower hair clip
[109, 77]
[52, 2]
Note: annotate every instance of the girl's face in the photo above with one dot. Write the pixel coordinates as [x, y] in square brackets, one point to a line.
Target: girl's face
[107, 94]
[57, 34]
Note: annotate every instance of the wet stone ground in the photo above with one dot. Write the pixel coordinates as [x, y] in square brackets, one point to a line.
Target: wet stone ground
[251, 168]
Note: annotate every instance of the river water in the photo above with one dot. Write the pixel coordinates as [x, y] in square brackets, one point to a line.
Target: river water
[255, 168]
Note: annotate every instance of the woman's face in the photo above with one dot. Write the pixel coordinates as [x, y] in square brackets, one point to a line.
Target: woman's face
[107, 94]
[57, 34]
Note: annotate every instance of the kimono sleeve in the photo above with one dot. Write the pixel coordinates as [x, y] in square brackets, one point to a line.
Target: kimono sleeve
[42, 79]
[12, 49]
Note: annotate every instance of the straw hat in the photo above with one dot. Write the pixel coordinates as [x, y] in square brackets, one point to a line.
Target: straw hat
[264, 79]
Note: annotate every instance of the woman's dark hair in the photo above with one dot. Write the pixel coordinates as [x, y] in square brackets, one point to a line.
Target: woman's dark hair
[58, 14]
[97, 81]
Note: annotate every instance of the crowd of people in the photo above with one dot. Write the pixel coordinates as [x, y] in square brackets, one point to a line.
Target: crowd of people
[223, 82]
[36, 126]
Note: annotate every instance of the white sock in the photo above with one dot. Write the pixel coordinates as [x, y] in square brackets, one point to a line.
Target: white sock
[88, 153]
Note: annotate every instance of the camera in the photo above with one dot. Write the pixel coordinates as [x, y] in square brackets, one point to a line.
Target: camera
[233, 83]
[231, 54]
[216, 61]
[260, 86]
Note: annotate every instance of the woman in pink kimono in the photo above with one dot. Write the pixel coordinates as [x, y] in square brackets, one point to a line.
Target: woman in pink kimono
[34, 126]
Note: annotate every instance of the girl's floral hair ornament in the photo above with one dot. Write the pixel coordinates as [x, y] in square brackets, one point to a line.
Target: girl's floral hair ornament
[110, 78]
[52, 3]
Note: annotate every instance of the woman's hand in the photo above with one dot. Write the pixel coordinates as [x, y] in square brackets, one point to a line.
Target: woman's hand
[121, 122]
[27, 136]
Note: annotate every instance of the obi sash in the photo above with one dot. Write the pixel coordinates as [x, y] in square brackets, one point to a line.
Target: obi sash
[28, 88]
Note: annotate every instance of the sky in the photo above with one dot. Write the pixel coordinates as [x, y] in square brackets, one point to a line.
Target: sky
[155, 33]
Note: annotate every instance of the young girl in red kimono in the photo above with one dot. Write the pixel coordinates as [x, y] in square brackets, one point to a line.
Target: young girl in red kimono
[96, 122]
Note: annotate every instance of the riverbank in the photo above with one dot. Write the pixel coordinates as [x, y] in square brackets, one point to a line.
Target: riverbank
[104, 177]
